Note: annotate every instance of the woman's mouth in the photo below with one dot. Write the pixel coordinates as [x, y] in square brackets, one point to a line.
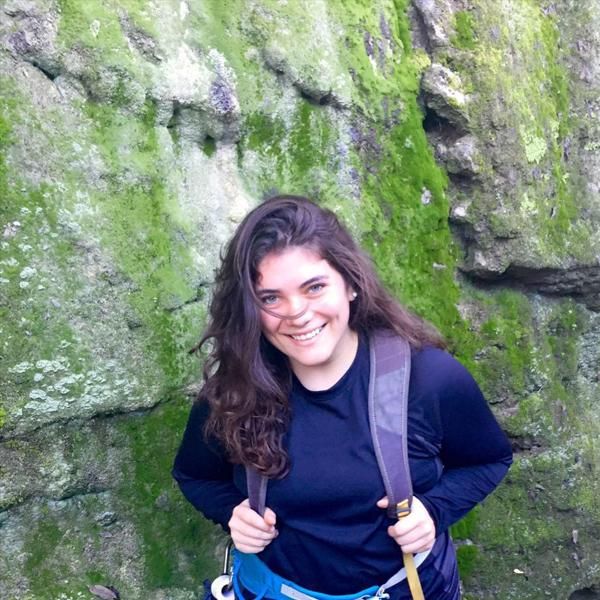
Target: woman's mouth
[307, 336]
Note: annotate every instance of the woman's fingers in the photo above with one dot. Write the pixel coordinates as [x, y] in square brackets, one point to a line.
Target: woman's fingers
[250, 532]
[415, 532]
[247, 517]
[270, 518]
[383, 503]
[412, 543]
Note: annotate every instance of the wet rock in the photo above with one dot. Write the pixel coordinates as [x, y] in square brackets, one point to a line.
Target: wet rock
[444, 95]
[462, 157]
[31, 35]
[309, 82]
[575, 281]
[196, 96]
[106, 518]
[141, 40]
[587, 593]
[162, 501]
[436, 17]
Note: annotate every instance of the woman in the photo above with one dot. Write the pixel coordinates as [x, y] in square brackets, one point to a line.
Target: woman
[285, 386]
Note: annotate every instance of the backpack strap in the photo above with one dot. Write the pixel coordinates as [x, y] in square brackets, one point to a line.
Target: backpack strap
[388, 402]
[388, 399]
[257, 490]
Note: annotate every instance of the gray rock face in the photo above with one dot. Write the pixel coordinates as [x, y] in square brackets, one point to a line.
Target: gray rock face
[435, 17]
[444, 95]
[537, 196]
[133, 138]
[462, 157]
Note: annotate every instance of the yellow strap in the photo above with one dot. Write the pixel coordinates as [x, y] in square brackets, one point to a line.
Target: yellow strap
[414, 583]
[413, 577]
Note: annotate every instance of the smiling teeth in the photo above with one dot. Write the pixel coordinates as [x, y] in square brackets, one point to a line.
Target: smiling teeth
[308, 336]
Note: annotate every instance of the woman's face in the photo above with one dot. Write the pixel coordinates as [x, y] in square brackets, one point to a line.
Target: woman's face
[314, 303]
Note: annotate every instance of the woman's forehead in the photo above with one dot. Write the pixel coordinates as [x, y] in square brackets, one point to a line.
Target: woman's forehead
[291, 267]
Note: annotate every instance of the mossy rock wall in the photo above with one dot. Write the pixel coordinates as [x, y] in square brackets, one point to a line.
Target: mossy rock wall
[458, 140]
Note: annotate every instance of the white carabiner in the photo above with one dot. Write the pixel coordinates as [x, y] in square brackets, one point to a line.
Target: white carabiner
[222, 586]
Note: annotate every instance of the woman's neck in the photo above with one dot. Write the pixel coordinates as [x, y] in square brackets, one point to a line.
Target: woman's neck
[324, 376]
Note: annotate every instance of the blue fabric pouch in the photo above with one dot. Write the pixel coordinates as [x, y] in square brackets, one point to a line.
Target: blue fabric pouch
[250, 573]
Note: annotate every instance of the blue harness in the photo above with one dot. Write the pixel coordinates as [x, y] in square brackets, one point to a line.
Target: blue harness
[250, 573]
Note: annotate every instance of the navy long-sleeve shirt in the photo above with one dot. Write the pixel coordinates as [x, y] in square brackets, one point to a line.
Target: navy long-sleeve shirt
[332, 537]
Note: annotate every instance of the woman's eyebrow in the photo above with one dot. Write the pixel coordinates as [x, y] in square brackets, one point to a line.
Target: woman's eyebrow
[314, 279]
[306, 283]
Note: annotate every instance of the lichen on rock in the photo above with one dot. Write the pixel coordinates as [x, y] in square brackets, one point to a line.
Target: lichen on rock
[455, 141]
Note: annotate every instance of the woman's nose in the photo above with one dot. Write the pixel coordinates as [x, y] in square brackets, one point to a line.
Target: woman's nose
[299, 311]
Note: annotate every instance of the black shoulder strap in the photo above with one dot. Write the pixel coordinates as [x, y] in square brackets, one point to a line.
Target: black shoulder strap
[257, 490]
[388, 399]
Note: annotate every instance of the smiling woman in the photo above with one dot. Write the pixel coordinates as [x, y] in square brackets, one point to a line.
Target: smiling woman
[310, 326]
[296, 308]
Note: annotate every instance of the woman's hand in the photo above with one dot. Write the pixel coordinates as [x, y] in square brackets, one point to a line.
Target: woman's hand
[250, 532]
[415, 532]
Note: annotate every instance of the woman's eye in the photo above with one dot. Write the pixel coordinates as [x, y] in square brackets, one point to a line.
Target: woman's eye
[315, 288]
[269, 300]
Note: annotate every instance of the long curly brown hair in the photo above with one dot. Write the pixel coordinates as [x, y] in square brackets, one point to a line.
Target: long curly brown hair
[247, 380]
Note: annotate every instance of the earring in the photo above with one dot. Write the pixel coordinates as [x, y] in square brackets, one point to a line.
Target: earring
[354, 295]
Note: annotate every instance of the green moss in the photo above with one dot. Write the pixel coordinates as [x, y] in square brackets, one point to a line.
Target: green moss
[530, 363]
[542, 406]
[299, 149]
[97, 576]
[96, 28]
[532, 98]
[43, 248]
[65, 537]
[298, 154]
[467, 553]
[465, 33]
[466, 527]
[95, 24]
[565, 324]
[512, 520]
[469, 560]
[146, 234]
[506, 345]
[44, 538]
[174, 535]
[237, 29]
[209, 147]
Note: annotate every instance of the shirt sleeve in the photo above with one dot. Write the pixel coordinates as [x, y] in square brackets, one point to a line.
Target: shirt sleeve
[475, 452]
[203, 473]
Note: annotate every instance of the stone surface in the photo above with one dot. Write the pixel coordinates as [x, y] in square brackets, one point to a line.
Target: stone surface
[462, 157]
[434, 18]
[134, 136]
[531, 112]
[445, 96]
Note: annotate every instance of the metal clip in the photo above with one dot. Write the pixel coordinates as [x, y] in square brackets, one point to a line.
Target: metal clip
[380, 594]
[222, 586]
[402, 509]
